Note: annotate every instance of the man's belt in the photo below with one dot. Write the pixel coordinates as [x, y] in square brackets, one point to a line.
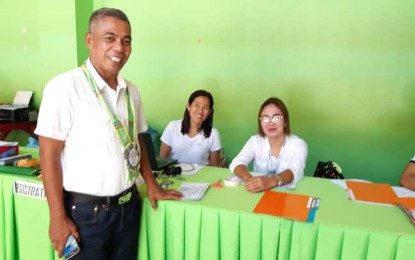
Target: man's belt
[119, 199]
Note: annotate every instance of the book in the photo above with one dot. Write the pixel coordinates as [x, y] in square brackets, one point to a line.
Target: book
[379, 193]
[193, 190]
[288, 205]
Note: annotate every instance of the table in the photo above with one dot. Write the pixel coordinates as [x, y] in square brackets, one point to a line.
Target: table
[7, 127]
[222, 226]
[24, 221]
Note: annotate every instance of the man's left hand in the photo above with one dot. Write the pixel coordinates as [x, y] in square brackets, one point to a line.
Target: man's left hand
[155, 192]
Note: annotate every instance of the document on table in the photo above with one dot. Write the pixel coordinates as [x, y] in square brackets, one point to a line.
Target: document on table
[288, 205]
[193, 190]
[403, 195]
[379, 193]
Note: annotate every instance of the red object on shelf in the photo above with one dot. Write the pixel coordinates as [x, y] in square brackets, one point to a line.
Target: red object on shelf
[6, 148]
[7, 127]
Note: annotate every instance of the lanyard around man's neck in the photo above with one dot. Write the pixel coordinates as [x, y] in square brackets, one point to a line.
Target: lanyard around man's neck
[131, 153]
[126, 137]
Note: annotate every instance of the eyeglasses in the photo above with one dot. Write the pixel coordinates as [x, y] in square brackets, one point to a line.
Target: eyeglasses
[274, 119]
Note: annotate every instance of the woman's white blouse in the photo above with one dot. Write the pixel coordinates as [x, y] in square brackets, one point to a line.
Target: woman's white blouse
[293, 156]
[188, 149]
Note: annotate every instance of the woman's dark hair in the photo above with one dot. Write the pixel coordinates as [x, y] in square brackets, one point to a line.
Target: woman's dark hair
[278, 103]
[207, 124]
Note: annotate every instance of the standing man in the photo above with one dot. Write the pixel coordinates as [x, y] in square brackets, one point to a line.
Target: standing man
[89, 124]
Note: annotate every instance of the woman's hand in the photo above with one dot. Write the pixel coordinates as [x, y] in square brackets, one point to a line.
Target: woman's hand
[259, 183]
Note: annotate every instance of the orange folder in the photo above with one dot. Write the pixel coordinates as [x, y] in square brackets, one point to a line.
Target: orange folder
[408, 202]
[372, 192]
[287, 205]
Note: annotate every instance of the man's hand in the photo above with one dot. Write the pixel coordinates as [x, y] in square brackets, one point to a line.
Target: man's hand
[155, 192]
[59, 231]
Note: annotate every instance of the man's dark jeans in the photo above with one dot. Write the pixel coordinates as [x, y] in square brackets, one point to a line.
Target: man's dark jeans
[109, 230]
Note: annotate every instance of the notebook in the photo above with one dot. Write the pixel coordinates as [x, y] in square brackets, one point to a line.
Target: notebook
[156, 163]
[193, 190]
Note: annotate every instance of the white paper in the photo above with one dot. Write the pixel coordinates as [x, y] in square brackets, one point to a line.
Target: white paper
[22, 98]
[403, 192]
[193, 190]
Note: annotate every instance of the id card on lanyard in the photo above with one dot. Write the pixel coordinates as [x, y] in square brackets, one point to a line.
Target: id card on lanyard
[126, 137]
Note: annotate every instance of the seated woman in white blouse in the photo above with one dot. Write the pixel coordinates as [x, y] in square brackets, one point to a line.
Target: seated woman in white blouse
[279, 157]
[193, 139]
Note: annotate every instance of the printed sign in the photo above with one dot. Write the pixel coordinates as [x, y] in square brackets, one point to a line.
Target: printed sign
[29, 189]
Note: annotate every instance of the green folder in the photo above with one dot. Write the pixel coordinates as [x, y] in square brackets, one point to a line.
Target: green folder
[29, 171]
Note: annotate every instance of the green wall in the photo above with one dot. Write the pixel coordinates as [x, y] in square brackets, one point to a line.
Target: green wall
[37, 41]
[346, 69]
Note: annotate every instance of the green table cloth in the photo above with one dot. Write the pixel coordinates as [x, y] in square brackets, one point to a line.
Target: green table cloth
[223, 226]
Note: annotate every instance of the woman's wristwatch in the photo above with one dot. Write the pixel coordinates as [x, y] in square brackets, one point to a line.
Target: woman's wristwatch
[280, 182]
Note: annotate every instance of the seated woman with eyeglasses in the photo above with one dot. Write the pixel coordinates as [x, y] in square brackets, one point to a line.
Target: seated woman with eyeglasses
[279, 157]
[193, 139]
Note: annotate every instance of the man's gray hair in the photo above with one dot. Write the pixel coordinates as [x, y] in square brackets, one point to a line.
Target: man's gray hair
[102, 12]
